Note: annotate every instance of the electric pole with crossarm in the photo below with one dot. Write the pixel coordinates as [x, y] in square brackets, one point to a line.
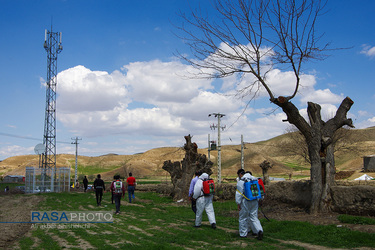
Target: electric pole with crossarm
[219, 116]
[76, 170]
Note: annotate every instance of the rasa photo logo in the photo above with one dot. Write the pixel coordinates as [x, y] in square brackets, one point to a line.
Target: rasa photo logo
[71, 217]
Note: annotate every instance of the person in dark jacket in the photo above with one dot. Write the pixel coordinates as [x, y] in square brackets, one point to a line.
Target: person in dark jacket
[99, 187]
[85, 183]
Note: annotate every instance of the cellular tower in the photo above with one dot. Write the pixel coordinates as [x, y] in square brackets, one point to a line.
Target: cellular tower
[52, 44]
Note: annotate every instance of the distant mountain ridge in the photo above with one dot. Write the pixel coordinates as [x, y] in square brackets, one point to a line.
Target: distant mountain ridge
[279, 151]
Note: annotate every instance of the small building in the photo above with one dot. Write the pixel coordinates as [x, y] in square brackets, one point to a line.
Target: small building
[369, 163]
[14, 178]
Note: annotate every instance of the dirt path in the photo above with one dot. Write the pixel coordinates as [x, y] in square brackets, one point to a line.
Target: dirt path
[16, 208]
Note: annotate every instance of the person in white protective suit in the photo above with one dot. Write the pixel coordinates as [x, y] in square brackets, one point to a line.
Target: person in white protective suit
[248, 210]
[203, 203]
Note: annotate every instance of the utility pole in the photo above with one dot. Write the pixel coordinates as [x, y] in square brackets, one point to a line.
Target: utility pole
[76, 170]
[219, 116]
[209, 147]
[242, 157]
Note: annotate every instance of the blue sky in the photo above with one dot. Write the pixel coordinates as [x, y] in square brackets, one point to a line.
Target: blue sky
[119, 85]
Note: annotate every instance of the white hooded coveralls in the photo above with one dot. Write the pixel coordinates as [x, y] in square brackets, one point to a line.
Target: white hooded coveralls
[203, 202]
[248, 215]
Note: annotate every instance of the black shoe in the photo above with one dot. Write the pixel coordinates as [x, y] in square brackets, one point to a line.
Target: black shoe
[260, 235]
[213, 225]
[196, 226]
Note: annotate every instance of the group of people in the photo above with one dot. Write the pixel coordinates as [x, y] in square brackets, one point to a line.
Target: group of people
[117, 189]
[248, 209]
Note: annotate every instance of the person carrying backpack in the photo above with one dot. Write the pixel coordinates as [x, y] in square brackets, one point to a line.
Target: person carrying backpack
[99, 187]
[203, 202]
[191, 191]
[248, 209]
[118, 191]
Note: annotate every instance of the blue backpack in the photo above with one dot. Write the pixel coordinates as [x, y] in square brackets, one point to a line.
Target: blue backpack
[252, 190]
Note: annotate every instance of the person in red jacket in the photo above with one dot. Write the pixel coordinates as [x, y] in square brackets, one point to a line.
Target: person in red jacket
[118, 191]
[130, 183]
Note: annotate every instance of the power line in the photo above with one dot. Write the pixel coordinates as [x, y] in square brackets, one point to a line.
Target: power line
[28, 138]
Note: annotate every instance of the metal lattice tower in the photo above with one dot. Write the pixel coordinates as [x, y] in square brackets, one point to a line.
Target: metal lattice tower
[52, 44]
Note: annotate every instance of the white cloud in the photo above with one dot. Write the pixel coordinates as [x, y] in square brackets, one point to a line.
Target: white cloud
[363, 113]
[96, 103]
[322, 97]
[365, 123]
[203, 104]
[15, 150]
[153, 104]
[157, 82]
[368, 51]
[81, 90]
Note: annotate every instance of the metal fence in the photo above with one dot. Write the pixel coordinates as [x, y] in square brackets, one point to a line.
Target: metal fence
[40, 180]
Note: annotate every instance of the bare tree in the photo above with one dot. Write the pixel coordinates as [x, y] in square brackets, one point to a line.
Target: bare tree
[254, 38]
[343, 140]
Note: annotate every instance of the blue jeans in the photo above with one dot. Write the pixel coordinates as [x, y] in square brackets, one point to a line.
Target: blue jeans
[131, 193]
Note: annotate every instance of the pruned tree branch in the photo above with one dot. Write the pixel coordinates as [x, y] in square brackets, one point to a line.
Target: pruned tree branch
[253, 37]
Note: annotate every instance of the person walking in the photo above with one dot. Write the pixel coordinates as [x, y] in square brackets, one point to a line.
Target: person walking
[85, 183]
[203, 203]
[99, 187]
[112, 197]
[118, 190]
[131, 183]
[191, 191]
[248, 209]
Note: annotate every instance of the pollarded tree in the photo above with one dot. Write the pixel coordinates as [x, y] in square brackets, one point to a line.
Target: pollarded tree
[182, 172]
[251, 40]
[344, 140]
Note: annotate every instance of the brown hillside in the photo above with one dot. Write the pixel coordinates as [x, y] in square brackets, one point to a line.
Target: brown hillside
[357, 143]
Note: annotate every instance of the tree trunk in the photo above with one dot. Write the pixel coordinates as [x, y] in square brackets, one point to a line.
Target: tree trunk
[182, 172]
[265, 165]
[319, 137]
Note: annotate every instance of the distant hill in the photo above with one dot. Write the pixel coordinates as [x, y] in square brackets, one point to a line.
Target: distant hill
[280, 151]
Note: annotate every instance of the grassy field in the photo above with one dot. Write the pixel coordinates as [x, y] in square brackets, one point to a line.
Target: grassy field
[157, 222]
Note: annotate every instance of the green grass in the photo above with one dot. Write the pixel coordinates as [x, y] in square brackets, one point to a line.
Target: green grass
[295, 167]
[10, 185]
[92, 169]
[158, 222]
[344, 218]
